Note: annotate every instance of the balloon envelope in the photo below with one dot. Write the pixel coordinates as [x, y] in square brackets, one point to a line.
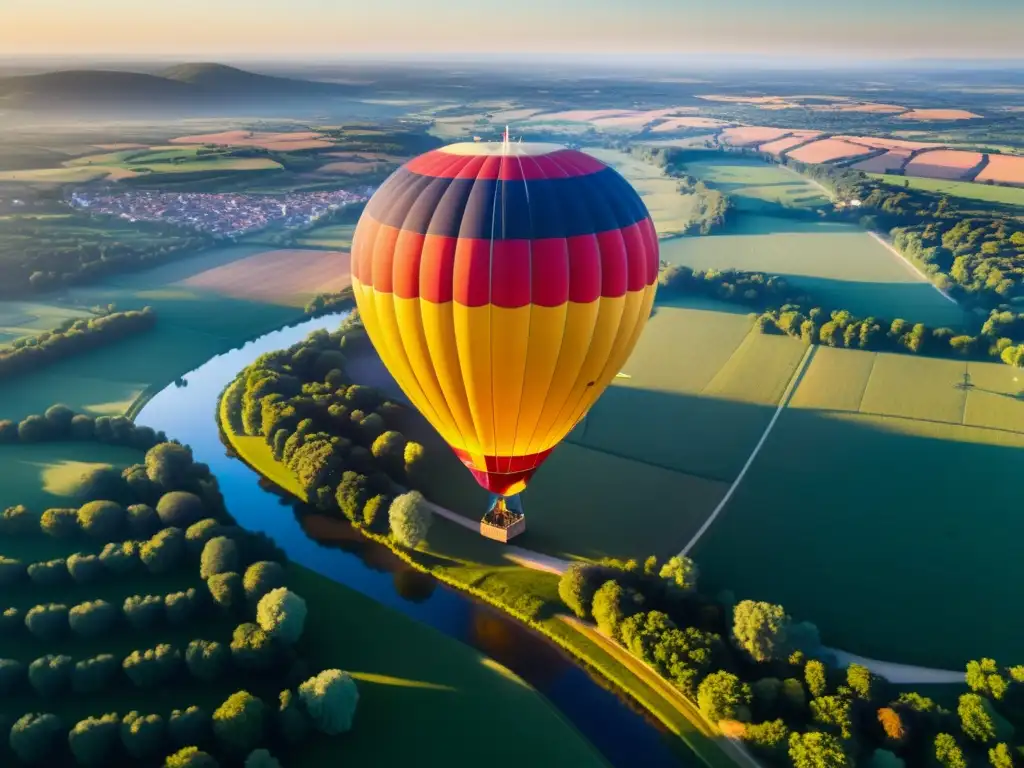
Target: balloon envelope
[503, 286]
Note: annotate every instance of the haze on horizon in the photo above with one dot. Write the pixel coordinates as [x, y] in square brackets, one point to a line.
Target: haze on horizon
[947, 29]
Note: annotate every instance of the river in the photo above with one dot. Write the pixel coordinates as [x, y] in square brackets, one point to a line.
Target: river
[186, 411]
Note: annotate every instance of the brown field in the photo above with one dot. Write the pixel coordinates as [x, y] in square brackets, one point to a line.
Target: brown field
[638, 119]
[264, 140]
[943, 164]
[120, 147]
[827, 150]
[871, 141]
[676, 123]
[1004, 169]
[748, 135]
[938, 114]
[779, 146]
[891, 161]
[867, 106]
[381, 156]
[288, 277]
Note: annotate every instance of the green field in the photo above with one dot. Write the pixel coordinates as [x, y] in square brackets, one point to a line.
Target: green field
[333, 237]
[839, 265]
[670, 210]
[988, 193]
[28, 318]
[755, 185]
[886, 496]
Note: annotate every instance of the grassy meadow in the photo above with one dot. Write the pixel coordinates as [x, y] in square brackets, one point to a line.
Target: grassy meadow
[755, 185]
[988, 193]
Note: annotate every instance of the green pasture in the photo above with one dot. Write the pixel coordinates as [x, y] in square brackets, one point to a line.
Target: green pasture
[755, 185]
[880, 531]
[839, 265]
[988, 193]
[670, 210]
[333, 237]
[28, 318]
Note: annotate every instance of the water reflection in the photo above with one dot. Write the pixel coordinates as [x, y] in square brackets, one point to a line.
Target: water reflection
[186, 410]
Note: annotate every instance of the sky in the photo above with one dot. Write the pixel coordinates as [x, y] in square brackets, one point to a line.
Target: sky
[338, 29]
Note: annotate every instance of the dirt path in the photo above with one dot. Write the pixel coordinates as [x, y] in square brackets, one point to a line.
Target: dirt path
[911, 267]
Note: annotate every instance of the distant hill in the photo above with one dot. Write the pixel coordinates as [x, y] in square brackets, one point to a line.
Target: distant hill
[198, 84]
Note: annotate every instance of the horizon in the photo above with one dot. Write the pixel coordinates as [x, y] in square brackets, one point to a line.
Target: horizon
[896, 30]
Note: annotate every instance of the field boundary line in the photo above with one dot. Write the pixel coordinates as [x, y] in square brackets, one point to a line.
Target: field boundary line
[790, 388]
[911, 266]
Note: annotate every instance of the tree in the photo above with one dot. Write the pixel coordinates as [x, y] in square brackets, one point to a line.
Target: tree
[834, 712]
[282, 614]
[92, 740]
[260, 578]
[50, 675]
[168, 465]
[760, 629]
[292, 722]
[190, 757]
[188, 726]
[770, 739]
[152, 667]
[181, 606]
[143, 521]
[164, 551]
[410, 519]
[96, 674]
[984, 676]
[864, 684]
[681, 574]
[251, 647]
[766, 693]
[206, 659]
[84, 569]
[612, 604]
[103, 484]
[226, 590]
[723, 696]
[331, 699]
[1000, 756]
[816, 677]
[980, 721]
[120, 558]
[261, 758]
[143, 611]
[142, 735]
[578, 584]
[11, 571]
[92, 619]
[794, 698]
[12, 675]
[815, 749]
[60, 523]
[238, 722]
[47, 622]
[34, 429]
[948, 752]
[34, 736]
[180, 509]
[48, 574]
[892, 726]
[198, 534]
[389, 449]
[352, 494]
[220, 555]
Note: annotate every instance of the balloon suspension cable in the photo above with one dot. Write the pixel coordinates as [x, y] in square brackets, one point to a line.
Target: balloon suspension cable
[504, 510]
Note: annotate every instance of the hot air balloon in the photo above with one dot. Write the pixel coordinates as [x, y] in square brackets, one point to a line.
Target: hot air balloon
[504, 285]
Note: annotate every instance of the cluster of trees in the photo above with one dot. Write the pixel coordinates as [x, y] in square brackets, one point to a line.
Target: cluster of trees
[72, 337]
[840, 328]
[329, 303]
[338, 438]
[711, 207]
[755, 289]
[61, 423]
[750, 663]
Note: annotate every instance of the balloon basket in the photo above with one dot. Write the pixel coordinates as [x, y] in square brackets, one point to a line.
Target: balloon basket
[504, 520]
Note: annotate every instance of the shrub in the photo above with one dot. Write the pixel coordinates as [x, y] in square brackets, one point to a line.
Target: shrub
[102, 520]
[83, 427]
[94, 675]
[220, 555]
[34, 737]
[59, 418]
[150, 668]
[352, 495]
[47, 622]
[834, 713]
[815, 749]
[122, 558]
[190, 757]
[49, 675]
[168, 465]
[261, 758]
[816, 677]
[84, 569]
[612, 604]
[331, 699]
[18, 521]
[92, 619]
[769, 739]
[12, 675]
[179, 508]
[60, 523]
[226, 590]
[979, 720]
[143, 611]
[238, 722]
[409, 519]
[94, 739]
[199, 533]
[282, 614]
[260, 578]
[760, 629]
[375, 513]
[48, 574]
[206, 660]
[142, 735]
[142, 521]
[33, 429]
[11, 571]
[188, 726]
[681, 574]
[103, 484]
[251, 647]
[723, 696]
[181, 606]
[164, 551]
[292, 722]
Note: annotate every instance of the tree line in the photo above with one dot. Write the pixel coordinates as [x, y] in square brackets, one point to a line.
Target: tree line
[711, 206]
[162, 516]
[72, 337]
[767, 679]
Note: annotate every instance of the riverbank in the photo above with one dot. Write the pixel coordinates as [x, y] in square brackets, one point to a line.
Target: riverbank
[461, 559]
